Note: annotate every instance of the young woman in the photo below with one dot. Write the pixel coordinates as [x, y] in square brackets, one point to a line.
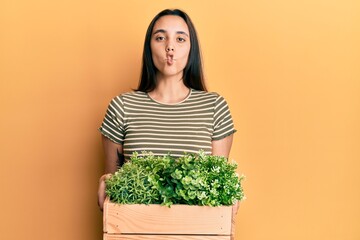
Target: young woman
[171, 111]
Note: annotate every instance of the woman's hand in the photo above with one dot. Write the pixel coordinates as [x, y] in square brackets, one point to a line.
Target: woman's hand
[112, 152]
[235, 208]
[101, 190]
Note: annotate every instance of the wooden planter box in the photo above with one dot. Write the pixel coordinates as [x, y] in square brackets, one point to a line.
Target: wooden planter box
[179, 222]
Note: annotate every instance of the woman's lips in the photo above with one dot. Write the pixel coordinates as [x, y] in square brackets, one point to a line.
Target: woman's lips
[170, 60]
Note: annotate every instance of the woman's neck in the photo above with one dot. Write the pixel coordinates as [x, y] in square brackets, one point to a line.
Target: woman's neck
[169, 91]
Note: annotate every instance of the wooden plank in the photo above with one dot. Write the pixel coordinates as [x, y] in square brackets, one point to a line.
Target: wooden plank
[163, 237]
[157, 219]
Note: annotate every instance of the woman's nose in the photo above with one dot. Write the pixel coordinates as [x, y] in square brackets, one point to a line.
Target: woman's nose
[169, 48]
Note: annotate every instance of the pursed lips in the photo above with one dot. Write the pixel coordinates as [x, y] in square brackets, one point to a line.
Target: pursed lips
[170, 59]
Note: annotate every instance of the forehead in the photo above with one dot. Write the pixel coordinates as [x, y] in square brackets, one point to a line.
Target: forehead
[171, 23]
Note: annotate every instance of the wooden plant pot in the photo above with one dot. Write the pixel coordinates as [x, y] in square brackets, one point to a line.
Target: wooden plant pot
[179, 222]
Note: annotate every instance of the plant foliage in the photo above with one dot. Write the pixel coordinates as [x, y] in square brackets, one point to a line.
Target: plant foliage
[194, 179]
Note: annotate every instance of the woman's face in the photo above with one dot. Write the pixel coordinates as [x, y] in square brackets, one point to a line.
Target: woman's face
[170, 46]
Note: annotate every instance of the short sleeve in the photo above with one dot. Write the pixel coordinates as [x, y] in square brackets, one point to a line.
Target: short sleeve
[223, 123]
[112, 126]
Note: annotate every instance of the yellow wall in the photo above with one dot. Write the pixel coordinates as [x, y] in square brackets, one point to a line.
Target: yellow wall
[289, 70]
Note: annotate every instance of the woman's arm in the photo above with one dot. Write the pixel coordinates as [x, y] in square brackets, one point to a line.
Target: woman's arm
[112, 155]
[113, 159]
[222, 147]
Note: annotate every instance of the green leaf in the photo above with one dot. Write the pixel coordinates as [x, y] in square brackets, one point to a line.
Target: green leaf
[194, 179]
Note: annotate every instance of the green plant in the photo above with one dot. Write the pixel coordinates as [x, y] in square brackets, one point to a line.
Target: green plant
[193, 179]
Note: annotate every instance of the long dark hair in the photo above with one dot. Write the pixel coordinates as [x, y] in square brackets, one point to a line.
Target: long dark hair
[193, 73]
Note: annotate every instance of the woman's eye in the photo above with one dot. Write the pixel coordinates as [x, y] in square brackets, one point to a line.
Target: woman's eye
[180, 39]
[160, 38]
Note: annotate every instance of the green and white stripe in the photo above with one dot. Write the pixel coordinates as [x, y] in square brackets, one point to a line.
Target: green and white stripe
[142, 124]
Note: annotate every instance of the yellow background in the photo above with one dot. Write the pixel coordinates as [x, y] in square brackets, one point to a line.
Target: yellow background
[288, 69]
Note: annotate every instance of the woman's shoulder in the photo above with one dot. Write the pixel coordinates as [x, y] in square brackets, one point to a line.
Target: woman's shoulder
[205, 94]
[122, 98]
[131, 95]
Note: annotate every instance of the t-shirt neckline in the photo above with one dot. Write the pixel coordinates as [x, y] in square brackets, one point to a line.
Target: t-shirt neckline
[171, 104]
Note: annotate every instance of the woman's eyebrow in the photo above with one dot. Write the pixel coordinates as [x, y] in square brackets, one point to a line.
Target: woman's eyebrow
[159, 30]
[182, 32]
[164, 31]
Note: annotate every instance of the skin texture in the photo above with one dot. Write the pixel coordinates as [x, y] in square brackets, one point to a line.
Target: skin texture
[170, 46]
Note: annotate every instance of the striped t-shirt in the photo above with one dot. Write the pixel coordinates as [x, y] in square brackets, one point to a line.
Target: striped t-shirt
[140, 123]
